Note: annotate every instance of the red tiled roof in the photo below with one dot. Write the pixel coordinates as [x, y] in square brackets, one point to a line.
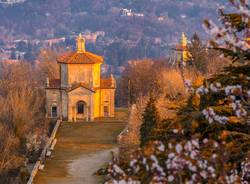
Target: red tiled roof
[107, 83]
[54, 84]
[10, 61]
[79, 58]
[77, 85]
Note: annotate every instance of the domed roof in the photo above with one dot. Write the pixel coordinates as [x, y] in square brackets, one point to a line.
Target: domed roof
[81, 56]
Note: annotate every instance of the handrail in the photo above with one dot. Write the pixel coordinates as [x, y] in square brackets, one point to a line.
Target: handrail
[41, 160]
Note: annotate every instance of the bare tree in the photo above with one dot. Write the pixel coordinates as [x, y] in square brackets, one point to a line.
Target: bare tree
[22, 98]
[139, 79]
[47, 63]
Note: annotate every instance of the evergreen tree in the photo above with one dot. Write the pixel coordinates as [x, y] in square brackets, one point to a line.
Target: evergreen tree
[198, 53]
[217, 112]
[150, 120]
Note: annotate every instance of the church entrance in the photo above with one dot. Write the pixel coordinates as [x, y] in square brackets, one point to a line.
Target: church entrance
[81, 110]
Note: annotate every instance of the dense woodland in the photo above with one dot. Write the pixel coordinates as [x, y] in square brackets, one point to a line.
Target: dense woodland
[23, 127]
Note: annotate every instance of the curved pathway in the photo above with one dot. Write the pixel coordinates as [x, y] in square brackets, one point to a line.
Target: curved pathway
[82, 149]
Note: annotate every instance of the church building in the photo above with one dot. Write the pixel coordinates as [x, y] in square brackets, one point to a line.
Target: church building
[80, 94]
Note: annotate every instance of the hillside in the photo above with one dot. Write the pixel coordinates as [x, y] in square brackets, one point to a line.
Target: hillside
[138, 28]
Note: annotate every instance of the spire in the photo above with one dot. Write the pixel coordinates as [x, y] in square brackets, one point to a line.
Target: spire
[80, 43]
[184, 42]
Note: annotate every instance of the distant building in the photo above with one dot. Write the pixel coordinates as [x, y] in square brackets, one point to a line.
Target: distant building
[80, 93]
[183, 16]
[10, 61]
[157, 40]
[11, 1]
[92, 37]
[51, 42]
[128, 13]
[4, 54]
[163, 17]
[139, 14]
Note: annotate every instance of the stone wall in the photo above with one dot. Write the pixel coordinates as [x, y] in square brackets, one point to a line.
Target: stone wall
[108, 99]
[53, 99]
[64, 75]
[64, 105]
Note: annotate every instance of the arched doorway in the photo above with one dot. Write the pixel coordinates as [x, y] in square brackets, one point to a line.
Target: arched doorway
[81, 110]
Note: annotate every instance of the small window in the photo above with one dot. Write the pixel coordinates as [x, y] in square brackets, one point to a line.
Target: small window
[80, 107]
[106, 111]
[54, 111]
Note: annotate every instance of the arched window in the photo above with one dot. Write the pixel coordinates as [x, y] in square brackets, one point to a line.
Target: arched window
[80, 107]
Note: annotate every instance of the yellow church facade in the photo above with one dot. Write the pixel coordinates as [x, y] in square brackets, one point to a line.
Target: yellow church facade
[80, 94]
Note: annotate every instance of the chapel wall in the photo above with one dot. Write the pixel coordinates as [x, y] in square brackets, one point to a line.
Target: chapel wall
[52, 99]
[78, 73]
[64, 105]
[97, 103]
[107, 101]
[96, 75]
[64, 75]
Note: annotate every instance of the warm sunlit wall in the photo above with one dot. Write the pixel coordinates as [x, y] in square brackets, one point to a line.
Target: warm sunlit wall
[96, 75]
[97, 104]
[107, 99]
[79, 73]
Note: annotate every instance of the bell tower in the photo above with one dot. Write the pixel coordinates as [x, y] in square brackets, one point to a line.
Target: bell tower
[184, 47]
[80, 44]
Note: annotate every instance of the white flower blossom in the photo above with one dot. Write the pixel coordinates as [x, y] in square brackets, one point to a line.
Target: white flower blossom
[248, 93]
[202, 90]
[211, 116]
[179, 148]
[117, 169]
[171, 155]
[170, 178]
[203, 174]
[161, 147]
[205, 141]
[214, 88]
[175, 131]
[231, 89]
[189, 85]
